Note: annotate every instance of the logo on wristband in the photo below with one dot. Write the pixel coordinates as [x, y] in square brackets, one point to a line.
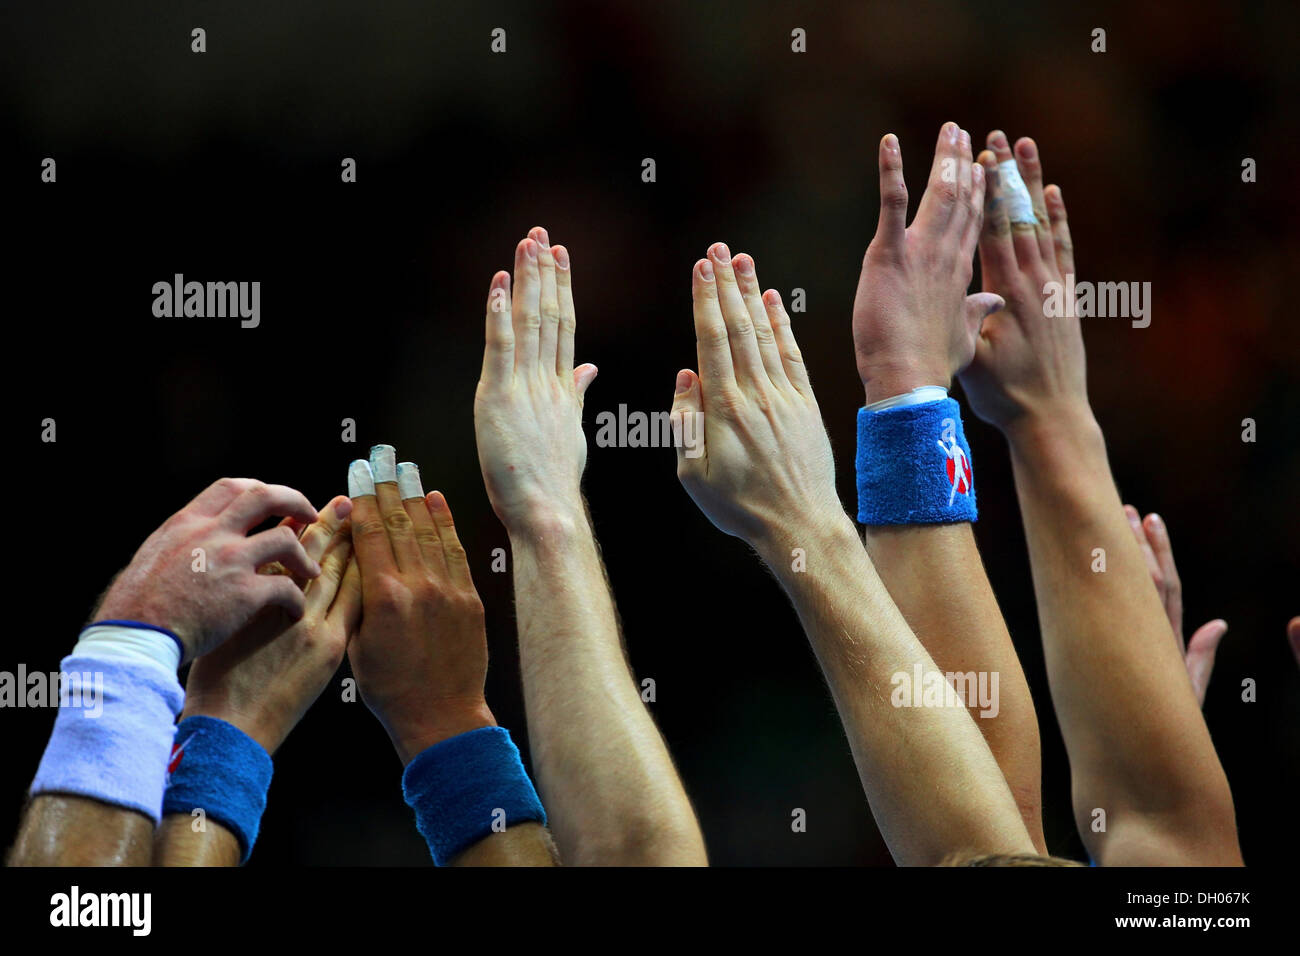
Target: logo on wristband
[178, 753]
[958, 467]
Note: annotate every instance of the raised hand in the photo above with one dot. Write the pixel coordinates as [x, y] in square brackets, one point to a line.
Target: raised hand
[528, 406]
[197, 574]
[1028, 364]
[1153, 538]
[764, 456]
[264, 678]
[913, 323]
[420, 657]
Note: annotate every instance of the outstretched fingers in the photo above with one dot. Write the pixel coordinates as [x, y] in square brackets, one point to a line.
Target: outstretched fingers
[499, 336]
[892, 226]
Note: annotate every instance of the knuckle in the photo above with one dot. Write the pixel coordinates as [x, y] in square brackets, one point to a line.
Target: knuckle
[714, 336]
[398, 521]
[454, 549]
[231, 484]
[389, 596]
[729, 400]
[227, 554]
[369, 528]
[531, 319]
[257, 490]
[894, 197]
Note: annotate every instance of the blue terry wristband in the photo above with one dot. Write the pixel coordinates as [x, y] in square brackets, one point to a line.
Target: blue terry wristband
[219, 769]
[468, 787]
[914, 466]
[112, 734]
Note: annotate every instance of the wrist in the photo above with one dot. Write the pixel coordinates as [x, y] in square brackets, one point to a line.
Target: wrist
[125, 607]
[820, 531]
[549, 523]
[882, 383]
[267, 736]
[1047, 424]
[441, 721]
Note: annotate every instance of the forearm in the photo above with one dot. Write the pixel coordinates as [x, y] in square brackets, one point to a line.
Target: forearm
[610, 787]
[930, 778]
[528, 844]
[934, 574]
[1138, 746]
[59, 830]
[177, 843]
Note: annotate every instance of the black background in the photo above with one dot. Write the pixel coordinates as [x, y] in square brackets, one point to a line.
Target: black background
[225, 166]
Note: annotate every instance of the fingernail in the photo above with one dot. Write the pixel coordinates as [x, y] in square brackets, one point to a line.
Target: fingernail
[383, 463]
[408, 480]
[722, 253]
[976, 172]
[1157, 521]
[561, 257]
[361, 481]
[706, 270]
[744, 265]
[683, 382]
[772, 296]
[343, 508]
[965, 138]
[543, 238]
[530, 249]
[998, 138]
[891, 143]
[1026, 150]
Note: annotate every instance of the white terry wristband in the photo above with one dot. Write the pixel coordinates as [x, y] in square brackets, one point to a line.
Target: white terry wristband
[124, 642]
[917, 396]
[114, 732]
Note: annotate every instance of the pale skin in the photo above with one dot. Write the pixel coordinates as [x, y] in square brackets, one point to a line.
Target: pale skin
[1138, 746]
[420, 656]
[612, 794]
[914, 325]
[160, 587]
[767, 476]
[1198, 651]
[263, 684]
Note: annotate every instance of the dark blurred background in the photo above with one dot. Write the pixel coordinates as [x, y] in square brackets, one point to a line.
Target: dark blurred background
[225, 166]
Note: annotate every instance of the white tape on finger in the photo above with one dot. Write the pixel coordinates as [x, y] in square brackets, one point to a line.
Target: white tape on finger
[1020, 208]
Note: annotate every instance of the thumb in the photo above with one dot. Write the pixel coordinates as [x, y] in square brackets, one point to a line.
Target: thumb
[1201, 648]
[687, 419]
[583, 376]
[979, 306]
